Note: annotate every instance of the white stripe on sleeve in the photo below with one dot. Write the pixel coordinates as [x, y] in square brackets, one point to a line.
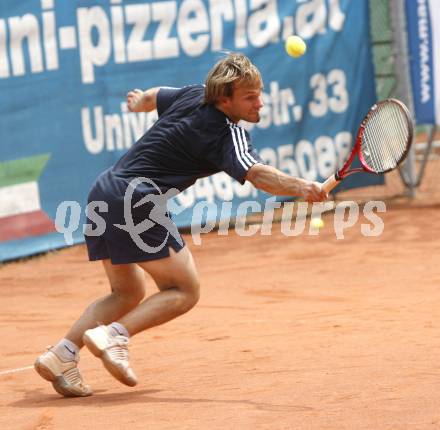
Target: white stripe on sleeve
[246, 147]
[242, 147]
[241, 139]
[237, 150]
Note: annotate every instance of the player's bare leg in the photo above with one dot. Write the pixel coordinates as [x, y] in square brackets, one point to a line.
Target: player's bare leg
[127, 282]
[177, 280]
[59, 364]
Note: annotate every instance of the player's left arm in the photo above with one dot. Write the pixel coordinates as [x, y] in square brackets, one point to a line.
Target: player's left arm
[274, 181]
[142, 101]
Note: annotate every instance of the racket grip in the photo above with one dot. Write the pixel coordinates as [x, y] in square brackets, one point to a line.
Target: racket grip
[330, 183]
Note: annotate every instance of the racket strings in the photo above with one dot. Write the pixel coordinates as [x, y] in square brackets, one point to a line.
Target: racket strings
[371, 152]
[376, 135]
[386, 137]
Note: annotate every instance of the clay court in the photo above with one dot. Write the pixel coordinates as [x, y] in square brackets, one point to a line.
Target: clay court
[290, 333]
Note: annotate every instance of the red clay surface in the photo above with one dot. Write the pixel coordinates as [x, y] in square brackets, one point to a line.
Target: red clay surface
[304, 332]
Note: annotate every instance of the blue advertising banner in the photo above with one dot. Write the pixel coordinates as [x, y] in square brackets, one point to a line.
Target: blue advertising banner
[423, 24]
[65, 68]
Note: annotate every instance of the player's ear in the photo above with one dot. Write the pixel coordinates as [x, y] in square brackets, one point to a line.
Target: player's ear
[224, 101]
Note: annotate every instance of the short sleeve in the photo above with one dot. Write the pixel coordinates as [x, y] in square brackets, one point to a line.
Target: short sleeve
[166, 96]
[237, 153]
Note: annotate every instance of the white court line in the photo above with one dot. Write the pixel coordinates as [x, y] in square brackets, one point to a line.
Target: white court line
[20, 369]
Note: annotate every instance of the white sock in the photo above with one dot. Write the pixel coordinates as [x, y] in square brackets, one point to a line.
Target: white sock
[66, 350]
[117, 329]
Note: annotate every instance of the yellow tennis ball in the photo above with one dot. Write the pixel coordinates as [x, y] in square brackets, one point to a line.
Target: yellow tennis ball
[317, 222]
[295, 46]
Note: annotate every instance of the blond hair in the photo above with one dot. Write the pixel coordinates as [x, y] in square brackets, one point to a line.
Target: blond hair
[235, 67]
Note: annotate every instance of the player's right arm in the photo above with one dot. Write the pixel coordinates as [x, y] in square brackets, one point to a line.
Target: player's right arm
[160, 98]
[142, 101]
[274, 181]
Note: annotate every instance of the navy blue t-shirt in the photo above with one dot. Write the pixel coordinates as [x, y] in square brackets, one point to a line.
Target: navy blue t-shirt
[190, 140]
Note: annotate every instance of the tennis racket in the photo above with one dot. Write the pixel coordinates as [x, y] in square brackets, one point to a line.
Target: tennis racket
[382, 143]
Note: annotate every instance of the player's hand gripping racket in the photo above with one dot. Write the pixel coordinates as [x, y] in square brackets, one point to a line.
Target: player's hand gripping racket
[382, 143]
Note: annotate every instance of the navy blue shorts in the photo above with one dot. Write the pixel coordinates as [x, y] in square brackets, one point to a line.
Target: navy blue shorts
[128, 245]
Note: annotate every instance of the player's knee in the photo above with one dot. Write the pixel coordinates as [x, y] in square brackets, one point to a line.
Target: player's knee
[130, 298]
[195, 296]
[192, 296]
[137, 296]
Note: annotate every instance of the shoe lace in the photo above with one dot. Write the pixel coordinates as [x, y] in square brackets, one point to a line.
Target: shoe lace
[73, 376]
[118, 350]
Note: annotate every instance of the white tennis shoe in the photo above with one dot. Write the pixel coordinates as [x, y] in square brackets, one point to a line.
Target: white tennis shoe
[64, 375]
[113, 352]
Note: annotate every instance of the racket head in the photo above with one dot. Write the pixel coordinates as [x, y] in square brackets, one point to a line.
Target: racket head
[385, 136]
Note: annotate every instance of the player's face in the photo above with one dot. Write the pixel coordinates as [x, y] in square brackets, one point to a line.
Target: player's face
[245, 103]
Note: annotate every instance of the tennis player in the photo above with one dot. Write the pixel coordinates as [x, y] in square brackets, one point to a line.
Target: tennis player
[196, 135]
